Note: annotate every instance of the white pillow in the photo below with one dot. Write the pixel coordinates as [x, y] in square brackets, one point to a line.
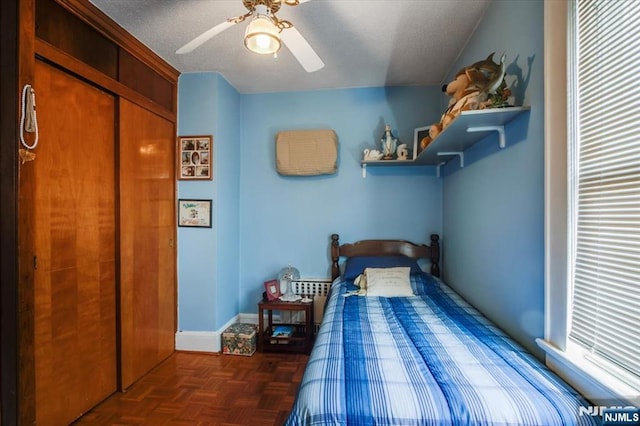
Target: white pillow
[388, 282]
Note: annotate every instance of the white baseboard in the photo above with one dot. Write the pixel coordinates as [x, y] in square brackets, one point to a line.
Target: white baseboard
[203, 341]
[211, 341]
[198, 341]
[248, 318]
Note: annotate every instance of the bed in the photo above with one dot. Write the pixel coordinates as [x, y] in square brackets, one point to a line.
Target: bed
[427, 358]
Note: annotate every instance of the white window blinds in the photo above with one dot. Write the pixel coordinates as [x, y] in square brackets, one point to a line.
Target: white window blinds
[605, 186]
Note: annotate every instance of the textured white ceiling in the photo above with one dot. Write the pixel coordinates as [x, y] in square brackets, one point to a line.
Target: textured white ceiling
[363, 43]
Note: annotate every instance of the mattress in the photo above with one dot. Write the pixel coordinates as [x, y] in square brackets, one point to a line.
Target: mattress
[428, 359]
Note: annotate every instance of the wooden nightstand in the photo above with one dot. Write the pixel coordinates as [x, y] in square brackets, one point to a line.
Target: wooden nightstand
[301, 339]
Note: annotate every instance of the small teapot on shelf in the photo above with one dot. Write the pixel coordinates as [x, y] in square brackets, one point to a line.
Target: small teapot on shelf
[372, 154]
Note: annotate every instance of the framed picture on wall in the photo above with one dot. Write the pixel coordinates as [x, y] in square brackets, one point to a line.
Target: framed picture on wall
[194, 213]
[194, 158]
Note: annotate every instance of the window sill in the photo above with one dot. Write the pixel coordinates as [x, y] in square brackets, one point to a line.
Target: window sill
[592, 381]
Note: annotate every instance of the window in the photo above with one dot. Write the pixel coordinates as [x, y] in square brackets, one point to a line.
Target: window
[592, 196]
[604, 188]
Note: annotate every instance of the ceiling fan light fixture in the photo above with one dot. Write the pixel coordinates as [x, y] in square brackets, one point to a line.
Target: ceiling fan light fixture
[262, 35]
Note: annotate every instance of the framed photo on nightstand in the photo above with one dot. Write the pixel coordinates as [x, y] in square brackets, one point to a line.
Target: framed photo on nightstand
[272, 289]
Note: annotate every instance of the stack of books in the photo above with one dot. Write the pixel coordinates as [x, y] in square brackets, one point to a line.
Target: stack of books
[281, 332]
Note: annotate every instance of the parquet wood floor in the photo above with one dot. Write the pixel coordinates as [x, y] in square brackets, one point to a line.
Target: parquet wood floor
[207, 389]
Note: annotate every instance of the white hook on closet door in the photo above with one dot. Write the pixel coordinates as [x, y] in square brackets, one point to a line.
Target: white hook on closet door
[28, 120]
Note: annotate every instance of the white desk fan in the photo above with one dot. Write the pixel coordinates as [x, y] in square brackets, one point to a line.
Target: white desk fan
[285, 276]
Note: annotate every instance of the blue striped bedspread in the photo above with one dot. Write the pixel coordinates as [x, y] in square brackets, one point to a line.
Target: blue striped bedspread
[429, 359]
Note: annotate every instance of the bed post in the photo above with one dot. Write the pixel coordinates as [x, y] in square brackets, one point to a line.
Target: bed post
[335, 255]
[435, 255]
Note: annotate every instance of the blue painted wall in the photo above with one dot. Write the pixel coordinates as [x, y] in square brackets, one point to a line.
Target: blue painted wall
[208, 275]
[493, 209]
[490, 213]
[263, 221]
[289, 220]
[227, 254]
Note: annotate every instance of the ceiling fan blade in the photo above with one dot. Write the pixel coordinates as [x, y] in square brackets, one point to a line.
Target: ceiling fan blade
[205, 36]
[301, 49]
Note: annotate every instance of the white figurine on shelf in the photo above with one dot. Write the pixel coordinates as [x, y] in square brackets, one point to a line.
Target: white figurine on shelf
[402, 152]
[388, 143]
[372, 154]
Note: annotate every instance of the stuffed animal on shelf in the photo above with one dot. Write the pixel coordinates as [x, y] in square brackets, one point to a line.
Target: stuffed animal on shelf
[477, 86]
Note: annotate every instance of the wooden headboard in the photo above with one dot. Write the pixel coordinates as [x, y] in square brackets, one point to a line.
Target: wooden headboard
[385, 248]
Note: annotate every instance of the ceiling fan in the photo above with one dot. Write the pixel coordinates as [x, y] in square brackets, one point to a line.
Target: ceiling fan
[265, 33]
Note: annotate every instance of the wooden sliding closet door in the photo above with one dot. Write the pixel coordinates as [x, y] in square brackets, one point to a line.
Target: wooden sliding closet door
[147, 229]
[74, 234]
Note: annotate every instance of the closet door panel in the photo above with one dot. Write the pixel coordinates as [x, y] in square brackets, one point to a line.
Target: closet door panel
[147, 230]
[74, 233]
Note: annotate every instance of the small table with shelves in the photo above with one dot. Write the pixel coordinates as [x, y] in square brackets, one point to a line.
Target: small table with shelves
[302, 338]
